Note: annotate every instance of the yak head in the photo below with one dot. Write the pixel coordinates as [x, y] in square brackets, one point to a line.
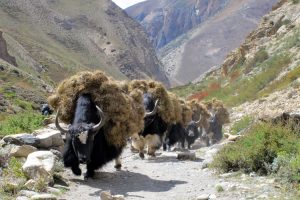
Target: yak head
[192, 129]
[150, 108]
[82, 135]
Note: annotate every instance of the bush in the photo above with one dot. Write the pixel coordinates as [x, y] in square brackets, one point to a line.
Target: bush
[265, 149]
[24, 122]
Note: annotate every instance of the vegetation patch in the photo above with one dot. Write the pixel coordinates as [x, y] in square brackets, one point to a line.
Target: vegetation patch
[282, 83]
[266, 149]
[241, 124]
[13, 178]
[23, 122]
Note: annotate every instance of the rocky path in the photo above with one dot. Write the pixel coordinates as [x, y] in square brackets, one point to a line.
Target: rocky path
[165, 178]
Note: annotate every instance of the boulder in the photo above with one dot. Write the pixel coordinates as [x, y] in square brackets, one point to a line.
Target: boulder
[21, 151]
[21, 139]
[48, 138]
[40, 164]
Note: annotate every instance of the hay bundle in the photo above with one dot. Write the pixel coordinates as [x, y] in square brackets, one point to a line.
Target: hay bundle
[218, 107]
[165, 109]
[199, 109]
[177, 112]
[124, 112]
[186, 113]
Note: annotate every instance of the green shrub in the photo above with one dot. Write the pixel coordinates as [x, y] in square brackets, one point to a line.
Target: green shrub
[13, 178]
[295, 1]
[24, 122]
[259, 151]
[241, 124]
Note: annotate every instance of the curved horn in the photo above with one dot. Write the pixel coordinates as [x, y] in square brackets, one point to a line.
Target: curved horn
[197, 122]
[98, 126]
[153, 112]
[58, 126]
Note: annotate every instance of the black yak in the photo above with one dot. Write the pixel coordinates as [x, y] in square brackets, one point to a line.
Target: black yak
[86, 142]
[178, 133]
[154, 128]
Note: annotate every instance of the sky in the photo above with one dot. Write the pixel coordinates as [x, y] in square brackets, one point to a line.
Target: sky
[126, 3]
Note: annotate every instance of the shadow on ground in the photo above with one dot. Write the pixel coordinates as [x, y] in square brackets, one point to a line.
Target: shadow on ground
[125, 182]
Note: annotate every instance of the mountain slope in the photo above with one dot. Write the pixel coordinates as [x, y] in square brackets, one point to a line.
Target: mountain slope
[49, 37]
[191, 55]
[268, 61]
[164, 20]
[44, 41]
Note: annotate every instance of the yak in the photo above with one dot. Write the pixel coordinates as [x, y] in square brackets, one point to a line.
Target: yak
[85, 141]
[154, 128]
[181, 134]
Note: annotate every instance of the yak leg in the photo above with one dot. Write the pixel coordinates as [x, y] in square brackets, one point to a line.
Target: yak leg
[70, 158]
[90, 171]
[139, 144]
[118, 163]
[153, 143]
[151, 151]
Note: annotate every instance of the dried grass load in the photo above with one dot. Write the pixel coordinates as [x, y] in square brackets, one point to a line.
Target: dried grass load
[123, 111]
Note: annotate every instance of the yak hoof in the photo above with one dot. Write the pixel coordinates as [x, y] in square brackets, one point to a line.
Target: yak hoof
[118, 167]
[89, 174]
[76, 171]
[142, 156]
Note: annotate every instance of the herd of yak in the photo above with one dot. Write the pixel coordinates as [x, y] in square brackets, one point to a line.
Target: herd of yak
[104, 114]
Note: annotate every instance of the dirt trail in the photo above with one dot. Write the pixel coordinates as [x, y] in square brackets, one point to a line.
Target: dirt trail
[165, 178]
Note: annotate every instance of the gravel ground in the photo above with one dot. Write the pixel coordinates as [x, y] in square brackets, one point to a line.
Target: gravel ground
[165, 178]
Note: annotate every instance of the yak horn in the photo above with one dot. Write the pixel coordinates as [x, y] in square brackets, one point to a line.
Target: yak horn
[98, 126]
[197, 122]
[58, 126]
[153, 112]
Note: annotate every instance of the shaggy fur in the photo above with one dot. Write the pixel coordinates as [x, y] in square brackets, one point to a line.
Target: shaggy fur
[175, 134]
[220, 116]
[97, 151]
[200, 110]
[192, 133]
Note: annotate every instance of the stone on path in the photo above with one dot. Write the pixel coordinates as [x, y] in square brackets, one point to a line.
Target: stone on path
[106, 195]
[186, 156]
[203, 197]
[43, 197]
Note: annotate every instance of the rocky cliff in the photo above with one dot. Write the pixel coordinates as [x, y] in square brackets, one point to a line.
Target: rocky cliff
[164, 20]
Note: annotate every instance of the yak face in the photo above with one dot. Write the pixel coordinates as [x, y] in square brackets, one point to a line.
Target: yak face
[83, 141]
[192, 129]
[150, 107]
[84, 128]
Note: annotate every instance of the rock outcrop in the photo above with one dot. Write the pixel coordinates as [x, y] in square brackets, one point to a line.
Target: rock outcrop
[4, 52]
[164, 20]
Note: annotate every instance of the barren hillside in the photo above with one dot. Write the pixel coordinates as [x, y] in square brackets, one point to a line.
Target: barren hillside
[51, 39]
